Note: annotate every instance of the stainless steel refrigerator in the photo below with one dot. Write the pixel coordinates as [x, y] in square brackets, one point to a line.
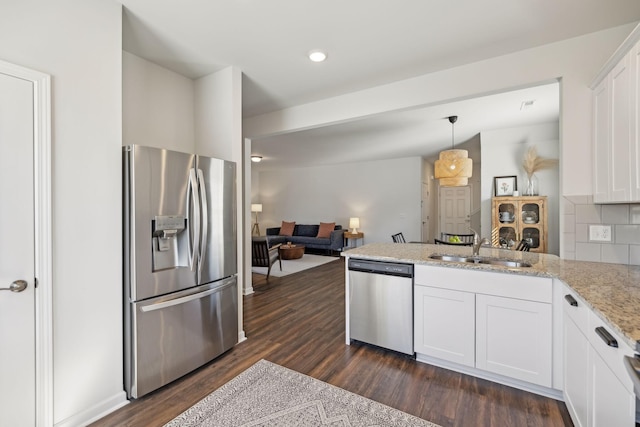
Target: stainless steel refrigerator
[180, 264]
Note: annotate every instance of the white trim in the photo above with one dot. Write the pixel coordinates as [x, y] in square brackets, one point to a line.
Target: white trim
[43, 250]
[96, 412]
[490, 376]
[617, 56]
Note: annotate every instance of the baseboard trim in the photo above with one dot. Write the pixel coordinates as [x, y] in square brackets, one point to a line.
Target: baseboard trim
[96, 412]
[489, 376]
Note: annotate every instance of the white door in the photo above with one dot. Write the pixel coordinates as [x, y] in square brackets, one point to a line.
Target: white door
[455, 209]
[17, 261]
[425, 212]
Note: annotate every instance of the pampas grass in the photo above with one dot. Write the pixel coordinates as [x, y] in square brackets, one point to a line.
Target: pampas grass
[533, 163]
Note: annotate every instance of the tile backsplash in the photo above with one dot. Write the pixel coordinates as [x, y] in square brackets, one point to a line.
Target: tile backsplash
[580, 212]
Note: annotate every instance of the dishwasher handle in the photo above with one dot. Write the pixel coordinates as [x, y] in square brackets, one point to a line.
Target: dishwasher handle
[384, 268]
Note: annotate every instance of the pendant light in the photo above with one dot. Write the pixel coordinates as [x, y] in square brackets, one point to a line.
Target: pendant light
[454, 167]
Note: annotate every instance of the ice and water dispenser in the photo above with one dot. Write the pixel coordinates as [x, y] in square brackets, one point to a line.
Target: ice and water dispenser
[170, 242]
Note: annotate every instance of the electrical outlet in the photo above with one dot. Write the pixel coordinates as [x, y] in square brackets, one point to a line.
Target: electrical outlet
[600, 233]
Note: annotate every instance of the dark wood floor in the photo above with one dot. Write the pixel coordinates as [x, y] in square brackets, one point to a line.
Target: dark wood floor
[297, 321]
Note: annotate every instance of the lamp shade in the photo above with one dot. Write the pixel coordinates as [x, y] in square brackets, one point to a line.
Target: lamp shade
[354, 224]
[453, 168]
[257, 207]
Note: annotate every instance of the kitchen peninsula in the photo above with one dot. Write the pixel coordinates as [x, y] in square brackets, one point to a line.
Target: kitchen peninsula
[558, 328]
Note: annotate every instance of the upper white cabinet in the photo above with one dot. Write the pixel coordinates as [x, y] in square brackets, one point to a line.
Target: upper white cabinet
[616, 158]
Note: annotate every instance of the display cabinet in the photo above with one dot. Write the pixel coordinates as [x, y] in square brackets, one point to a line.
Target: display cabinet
[519, 218]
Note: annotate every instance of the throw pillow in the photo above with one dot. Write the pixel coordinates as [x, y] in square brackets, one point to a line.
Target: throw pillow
[325, 229]
[286, 229]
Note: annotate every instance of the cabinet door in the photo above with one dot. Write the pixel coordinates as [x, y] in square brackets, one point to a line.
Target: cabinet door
[612, 404]
[620, 162]
[601, 142]
[635, 123]
[576, 372]
[513, 338]
[445, 324]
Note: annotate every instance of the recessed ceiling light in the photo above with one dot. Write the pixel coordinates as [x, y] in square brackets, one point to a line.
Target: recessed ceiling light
[317, 55]
[256, 159]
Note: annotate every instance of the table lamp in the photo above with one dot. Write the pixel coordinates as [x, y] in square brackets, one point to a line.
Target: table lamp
[354, 223]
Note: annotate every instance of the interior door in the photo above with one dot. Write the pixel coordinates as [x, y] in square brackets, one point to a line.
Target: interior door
[455, 209]
[425, 212]
[17, 259]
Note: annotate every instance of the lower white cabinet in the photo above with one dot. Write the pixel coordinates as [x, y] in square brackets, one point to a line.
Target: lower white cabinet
[613, 404]
[576, 372]
[597, 389]
[497, 323]
[513, 338]
[445, 324]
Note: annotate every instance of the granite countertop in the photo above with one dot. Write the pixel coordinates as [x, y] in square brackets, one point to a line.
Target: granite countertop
[611, 290]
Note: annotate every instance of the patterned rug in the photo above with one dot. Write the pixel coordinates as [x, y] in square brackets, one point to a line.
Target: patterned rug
[267, 394]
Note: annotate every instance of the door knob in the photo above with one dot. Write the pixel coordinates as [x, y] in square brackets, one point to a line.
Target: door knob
[17, 286]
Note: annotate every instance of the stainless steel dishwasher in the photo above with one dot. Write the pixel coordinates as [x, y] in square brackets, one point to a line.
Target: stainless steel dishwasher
[381, 304]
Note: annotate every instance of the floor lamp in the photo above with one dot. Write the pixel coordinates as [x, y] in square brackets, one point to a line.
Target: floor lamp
[256, 228]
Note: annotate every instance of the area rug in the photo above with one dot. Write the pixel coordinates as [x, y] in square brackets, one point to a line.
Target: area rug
[267, 394]
[290, 266]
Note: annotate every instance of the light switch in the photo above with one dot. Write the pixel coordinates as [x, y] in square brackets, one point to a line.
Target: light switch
[599, 233]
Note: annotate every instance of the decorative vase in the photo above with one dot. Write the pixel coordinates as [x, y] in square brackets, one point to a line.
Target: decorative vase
[531, 185]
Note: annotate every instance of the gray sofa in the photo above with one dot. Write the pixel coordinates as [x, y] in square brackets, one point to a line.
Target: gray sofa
[304, 234]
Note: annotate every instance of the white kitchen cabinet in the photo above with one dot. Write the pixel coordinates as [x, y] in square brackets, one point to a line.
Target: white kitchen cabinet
[576, 360]
[601, 153]
[513, 338]
[613, 404]
[597, 389]
[615, 132]
[445, 324]
[635, 122]
[498, 324]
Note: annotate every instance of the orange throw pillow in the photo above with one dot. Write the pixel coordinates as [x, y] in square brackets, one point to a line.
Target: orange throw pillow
[325, 229]
[286, 229]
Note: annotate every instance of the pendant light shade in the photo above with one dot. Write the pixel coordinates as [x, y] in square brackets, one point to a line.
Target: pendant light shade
[454, 167]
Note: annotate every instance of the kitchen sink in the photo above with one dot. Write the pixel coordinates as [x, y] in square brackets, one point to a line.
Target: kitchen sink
[481, 260]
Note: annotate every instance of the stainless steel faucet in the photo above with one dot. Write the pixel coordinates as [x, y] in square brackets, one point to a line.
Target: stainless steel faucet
[477, 242]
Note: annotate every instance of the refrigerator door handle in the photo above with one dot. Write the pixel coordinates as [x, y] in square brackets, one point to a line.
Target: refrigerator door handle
[204, 219]
[194, 219]
[185, 299]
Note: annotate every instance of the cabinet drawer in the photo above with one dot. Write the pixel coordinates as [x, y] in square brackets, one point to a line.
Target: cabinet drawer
[576, 309]
[508, 285]
[612, 356]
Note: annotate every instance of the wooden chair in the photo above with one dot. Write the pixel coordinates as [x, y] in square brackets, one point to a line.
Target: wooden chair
[263, 256]
[398, 238]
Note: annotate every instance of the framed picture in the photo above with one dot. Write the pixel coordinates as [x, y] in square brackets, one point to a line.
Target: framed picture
[505, 185]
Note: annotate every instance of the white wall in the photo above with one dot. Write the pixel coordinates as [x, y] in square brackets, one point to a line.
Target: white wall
[218, 130]
[157, 106]
[384, 194]
[576, 61]
[502, 154]
[78, 42]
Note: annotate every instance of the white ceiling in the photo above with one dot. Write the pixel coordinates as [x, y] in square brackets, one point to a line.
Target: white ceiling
[420, 132]
[369, 42]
